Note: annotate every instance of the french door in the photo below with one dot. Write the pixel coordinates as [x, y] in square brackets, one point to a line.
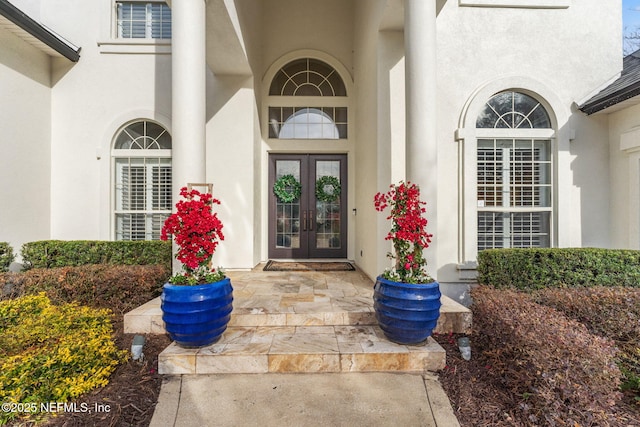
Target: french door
[314, 224]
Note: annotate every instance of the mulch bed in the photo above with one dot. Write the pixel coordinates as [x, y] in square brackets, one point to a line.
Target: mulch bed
[132, 392]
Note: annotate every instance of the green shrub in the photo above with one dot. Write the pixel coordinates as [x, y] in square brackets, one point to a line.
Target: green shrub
[555, 370]
[120, 288]
[53, 353]
[609, 312]
[6, 256]
[529, 269]
[59, 253]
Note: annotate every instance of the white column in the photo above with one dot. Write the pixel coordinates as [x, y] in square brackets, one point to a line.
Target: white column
[420, 88]
[188, 87]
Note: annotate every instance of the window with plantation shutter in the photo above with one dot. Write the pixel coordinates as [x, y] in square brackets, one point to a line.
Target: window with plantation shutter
[514, 174]
[143, 20]
[161, 197]
[142, 158]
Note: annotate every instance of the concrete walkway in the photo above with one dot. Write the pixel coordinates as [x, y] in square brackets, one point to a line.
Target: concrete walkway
[287, 314]
[327, 399]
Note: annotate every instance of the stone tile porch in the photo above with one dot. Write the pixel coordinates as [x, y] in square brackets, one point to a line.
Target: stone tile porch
[301, 322]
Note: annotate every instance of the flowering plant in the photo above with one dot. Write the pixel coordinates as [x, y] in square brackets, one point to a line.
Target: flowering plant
[196, 230]
[408, 233]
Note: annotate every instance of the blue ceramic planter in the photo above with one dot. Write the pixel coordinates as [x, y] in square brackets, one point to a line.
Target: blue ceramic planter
[407, 313]
[196, 316]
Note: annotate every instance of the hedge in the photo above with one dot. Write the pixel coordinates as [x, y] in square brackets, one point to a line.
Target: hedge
[118, 287]
[6, 256]
[59, 253]
[529, 269]
[556, 371]
[608, 312]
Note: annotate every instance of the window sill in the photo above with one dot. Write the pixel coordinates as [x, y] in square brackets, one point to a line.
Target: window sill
[468, 271]
[531, 4]
[140, 46]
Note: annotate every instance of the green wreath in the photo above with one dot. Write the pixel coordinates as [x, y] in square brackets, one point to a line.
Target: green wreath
[328, 189]
[287, 189]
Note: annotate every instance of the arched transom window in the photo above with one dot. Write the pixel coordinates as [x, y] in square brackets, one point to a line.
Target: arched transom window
[514, 173]
[142, 180]
[307, 77]
[513, 110]
[307, 100]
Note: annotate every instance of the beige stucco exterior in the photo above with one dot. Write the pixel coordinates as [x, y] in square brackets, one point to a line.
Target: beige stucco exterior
[25, 124]
[624, 155]
[65, 121]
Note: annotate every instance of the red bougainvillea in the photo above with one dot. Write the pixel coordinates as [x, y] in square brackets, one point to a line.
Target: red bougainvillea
[197, 230]
[408, 232]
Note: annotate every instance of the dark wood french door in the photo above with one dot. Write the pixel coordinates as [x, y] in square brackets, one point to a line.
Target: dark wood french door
[315, 224]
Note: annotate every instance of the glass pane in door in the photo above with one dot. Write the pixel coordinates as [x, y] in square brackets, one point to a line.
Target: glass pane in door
[287, 214]
[328, 222]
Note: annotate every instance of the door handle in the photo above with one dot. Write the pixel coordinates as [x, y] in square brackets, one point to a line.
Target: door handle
[310, 220]
[304, 220]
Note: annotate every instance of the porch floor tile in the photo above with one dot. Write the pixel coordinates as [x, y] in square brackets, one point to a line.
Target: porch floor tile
[320, 349]
[301, 322]
[264, 298]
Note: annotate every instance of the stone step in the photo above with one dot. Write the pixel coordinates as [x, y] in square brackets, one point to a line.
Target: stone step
[301, 322]
[308, 349]
[147, 319]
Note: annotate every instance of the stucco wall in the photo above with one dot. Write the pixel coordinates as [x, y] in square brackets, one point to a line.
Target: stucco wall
[569, 52]
[90, 102]
[624, 154]
[372, 154]
[25, 129]
[591, 223]
[290, 25]
[230, 167]
[530, 47]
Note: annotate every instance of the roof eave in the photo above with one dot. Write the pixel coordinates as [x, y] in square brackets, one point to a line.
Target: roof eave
[19, 18]
[611, 100]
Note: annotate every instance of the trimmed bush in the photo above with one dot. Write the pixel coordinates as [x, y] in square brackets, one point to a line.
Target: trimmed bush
[609, 312]
[6, 256]
[120, 288]
[53, 353]
[59, 253]
[559, 372]
[529, 269]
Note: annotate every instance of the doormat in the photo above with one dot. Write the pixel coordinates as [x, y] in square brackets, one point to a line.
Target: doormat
[308, 266]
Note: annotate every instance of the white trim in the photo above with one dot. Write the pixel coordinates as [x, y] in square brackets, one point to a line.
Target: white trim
[531, 4]
[630, 140]
[140, 46]
[514, 209]
[116, 152]
[509, 133]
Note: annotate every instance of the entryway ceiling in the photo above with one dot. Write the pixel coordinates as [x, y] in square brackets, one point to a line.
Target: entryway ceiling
[226, 52]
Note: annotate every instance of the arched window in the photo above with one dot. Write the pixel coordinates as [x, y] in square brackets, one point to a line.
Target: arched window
[307, 101]
[513, 110]
[514, 173]
[142, 180]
